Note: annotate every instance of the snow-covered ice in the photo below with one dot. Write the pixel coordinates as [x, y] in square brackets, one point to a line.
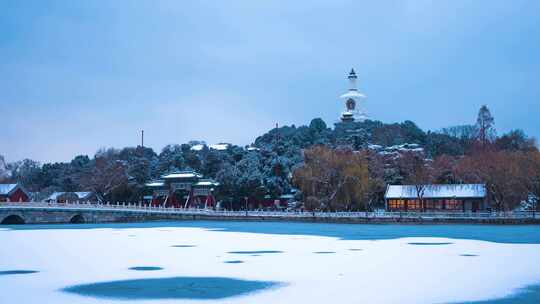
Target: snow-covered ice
[400, 270]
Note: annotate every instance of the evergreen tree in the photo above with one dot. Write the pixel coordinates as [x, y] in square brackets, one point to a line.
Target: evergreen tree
[485, 126]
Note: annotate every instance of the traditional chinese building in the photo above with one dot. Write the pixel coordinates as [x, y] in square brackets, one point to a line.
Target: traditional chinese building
[184, 189]
[453, 197]
[13, 193]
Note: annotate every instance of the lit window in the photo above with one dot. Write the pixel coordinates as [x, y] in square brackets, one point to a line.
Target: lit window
[433, 204]
[413, 205]
[453, 204]
[395, 204]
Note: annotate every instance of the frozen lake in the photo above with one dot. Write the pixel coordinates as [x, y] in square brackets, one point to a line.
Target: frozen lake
[251, 262]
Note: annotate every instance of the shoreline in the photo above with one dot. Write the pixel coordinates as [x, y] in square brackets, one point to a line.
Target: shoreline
[84, 214]
[378, 221]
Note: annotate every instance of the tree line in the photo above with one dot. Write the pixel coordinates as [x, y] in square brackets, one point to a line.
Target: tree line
[343, 178]
[333, 170]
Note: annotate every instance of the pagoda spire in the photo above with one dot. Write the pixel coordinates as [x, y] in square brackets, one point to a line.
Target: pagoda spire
[352, 74]
[352, 99]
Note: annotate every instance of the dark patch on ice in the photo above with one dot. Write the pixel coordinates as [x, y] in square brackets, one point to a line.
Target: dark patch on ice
[183, 246]
[355, 249]
[429, 243]
[132, 235]
[146, 268]
[324, 252]
[171, 288]
[255, 252]
[255, 255]
[234, 262]
[468, 255]
[18, 271]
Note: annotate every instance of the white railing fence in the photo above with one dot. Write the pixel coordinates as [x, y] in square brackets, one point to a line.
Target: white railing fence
[129, 206]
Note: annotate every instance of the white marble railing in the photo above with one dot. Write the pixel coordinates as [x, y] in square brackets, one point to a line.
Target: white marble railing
[254, 213]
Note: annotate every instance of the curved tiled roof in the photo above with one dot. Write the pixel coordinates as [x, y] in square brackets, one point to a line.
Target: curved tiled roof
[7, 189]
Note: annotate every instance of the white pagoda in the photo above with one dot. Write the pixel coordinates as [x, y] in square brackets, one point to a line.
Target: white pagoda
[352, 99]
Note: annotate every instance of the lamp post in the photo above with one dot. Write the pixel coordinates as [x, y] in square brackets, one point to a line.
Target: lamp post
[246, 204]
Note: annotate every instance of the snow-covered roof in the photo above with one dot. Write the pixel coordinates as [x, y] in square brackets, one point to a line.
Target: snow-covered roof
[374, 147]
[83, 195]
[437, 191]
[185, 174]
[251, 148]
[6, 189]
[220, 147]
[198, 147]
[158, 183]
[352, 94]
[396, 150]
[207, 182]
[55, 195]
[406, 147]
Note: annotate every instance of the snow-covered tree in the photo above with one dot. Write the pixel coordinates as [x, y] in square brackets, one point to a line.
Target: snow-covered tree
[485, 126]
[170, 159]
[4, 172]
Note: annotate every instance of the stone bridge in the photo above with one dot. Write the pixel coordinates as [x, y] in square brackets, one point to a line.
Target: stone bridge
[75, 214]
[45, 213]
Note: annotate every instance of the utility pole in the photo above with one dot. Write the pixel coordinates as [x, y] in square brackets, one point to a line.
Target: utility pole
[142, 154]
[277, 134]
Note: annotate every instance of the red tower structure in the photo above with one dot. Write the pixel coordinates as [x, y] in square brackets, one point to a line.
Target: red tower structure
[183, 189]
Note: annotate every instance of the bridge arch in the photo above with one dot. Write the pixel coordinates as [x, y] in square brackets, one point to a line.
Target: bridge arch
[77, 219]
[13, 219]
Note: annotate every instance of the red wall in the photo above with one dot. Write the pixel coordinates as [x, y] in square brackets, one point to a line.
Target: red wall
[19, 195]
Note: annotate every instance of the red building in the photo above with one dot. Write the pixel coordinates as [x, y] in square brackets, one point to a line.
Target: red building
[448, 198]
[13, 193]
[184, 189]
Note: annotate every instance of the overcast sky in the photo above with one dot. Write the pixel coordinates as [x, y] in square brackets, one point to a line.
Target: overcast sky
[79, 75]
